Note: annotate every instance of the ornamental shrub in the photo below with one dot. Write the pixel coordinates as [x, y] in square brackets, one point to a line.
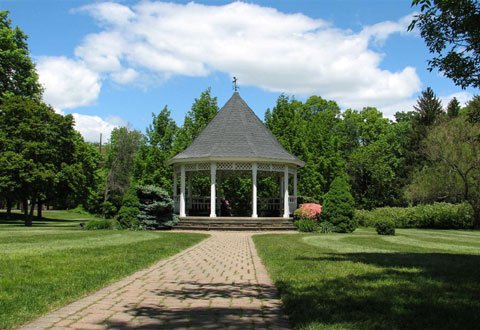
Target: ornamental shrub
[385, 227]
[156, 208]
[100, 224]
[437, 215]
[306, 225]
[308, 211]
[339, 206]
[128, 214]
[325, 227]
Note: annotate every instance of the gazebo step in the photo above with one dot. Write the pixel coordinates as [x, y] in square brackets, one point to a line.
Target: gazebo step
[234, 223]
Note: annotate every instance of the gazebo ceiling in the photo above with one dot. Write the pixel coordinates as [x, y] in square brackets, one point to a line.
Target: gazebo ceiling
[236, 134]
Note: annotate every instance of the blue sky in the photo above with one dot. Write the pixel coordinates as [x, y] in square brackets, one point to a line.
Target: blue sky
[115, 63]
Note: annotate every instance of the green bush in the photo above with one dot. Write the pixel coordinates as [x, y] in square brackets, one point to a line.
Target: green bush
[156, 208]
[306, 225]
[437, 215]
[100, 224]
[385, 227]
[339, 206]
[325, 227]
[128, 214]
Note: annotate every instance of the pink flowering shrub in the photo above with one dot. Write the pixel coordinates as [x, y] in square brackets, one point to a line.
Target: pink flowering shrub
[310, 211]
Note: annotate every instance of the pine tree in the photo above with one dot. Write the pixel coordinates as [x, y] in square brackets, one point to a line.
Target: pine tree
[473, 110]
[453, 108]
[339, 206]
[429, 108]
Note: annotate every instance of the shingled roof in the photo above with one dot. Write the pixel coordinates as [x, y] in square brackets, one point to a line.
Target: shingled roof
[236, 134]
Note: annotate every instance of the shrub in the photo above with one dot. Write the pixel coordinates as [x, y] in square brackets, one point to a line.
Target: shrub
[307, 199]
[325, 227]
[128, 214]
[385, 227]
[437, 215]
[156, 208]
[306, 225]
[308, 211]
[100, 224]
[338, 206]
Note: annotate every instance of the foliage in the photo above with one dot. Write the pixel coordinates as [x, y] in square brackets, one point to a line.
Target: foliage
[366, 281]
[385, 227]
[17, 71]
[429, 108]
[453, 148]
[127, 217]
[451, 30]
[54, 263]
[453, 108]
[156, 208]
[306, 225]
[339, 206]
[325, 227]
[124, 144]
[437, 215]
[100, 224]
[150, 163]
[310, 211]
[473, 110]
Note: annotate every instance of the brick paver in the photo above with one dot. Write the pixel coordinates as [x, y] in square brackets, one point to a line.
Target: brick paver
[219, 283]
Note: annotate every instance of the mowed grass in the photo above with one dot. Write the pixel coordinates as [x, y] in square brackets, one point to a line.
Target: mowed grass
[418, 279]
[55, 262]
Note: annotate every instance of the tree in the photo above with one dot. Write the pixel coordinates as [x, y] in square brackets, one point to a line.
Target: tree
[451, 30]
[202, 112]
[453, 108]
[339, 206]
[17, 71]
[429, 108]
[37, 150]
[453, 148]
[124, 144]
[150, 167]
[473, 110]
[156, 208]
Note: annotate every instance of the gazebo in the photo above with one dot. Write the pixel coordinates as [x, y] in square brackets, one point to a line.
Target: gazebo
[234, 142]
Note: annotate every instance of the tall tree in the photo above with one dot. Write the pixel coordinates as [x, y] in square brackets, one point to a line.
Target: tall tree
[453, 108]
[473, 109]
[124, 144]
[150, 167]
[451, 30]
[17, 71]
[202, 112]
[429, 108]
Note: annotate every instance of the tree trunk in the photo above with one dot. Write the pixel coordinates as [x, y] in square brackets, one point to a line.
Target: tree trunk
[28, 220]
[32, 208]
[39, 209]
[9, 208]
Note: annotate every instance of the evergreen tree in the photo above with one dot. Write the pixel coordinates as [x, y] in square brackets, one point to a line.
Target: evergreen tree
[339, 206]
[429, 108]
[473, 110]
[453, 108]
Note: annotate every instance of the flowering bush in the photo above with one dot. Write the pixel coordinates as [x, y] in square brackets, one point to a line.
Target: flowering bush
[310, 211]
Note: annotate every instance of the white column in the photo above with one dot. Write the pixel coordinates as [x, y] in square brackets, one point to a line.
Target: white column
[213, 197]
[254, 190]
[182, 191]
[295, 183]
[175, 190]
[286, 208]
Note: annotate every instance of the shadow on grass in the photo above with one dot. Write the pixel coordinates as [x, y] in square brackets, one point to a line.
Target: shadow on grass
[18, 220]
[407, 291]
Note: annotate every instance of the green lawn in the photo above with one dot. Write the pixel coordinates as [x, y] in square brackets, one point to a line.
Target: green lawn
[418, 279]
[55, 262]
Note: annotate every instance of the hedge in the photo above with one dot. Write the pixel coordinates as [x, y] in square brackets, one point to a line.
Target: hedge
[437, 215]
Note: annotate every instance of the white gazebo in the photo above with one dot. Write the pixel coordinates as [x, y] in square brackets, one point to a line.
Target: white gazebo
[235, 141]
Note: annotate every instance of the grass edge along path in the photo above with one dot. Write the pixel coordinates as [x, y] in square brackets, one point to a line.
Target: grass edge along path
[363, 281]
[38, 280]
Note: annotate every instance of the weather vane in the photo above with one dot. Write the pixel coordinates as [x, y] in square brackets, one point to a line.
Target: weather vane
[235, 87]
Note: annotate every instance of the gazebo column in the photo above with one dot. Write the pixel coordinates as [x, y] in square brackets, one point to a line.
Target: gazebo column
[182, 191]
[213, 197]
[286, 208]
[254, 190]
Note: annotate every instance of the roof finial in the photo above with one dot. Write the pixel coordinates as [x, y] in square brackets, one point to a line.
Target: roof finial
[235, 87]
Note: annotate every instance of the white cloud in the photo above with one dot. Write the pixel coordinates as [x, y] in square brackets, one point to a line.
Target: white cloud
[263, 47]
[68, 84]
[91, 126]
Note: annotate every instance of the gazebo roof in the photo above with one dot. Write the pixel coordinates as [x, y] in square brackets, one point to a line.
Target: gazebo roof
[236, 134]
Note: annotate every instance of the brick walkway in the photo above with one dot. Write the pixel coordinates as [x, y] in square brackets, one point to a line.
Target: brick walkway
[219, 283]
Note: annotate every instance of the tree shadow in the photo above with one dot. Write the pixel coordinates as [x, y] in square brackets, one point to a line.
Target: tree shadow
[18, 220]
[401, 291]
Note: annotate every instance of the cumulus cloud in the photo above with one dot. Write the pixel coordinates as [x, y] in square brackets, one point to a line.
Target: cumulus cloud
[92, 126]
[68, 83]
[262, 46]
